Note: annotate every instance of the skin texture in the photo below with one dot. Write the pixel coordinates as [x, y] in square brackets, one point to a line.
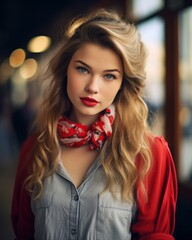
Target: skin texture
[95, 72]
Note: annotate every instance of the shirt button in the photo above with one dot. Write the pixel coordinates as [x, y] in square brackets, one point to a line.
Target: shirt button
[76, 198]
[73, 231]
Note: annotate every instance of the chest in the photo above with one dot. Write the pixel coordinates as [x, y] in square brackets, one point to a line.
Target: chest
[65, 212]
[77, 162]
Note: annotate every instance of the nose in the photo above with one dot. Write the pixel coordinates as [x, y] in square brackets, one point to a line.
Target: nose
[92, 85]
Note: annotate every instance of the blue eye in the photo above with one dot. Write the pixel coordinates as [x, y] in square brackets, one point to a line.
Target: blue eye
[110, 76]
[82, 70]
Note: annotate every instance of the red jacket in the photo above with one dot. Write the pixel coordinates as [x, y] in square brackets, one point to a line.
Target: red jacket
[155, 218]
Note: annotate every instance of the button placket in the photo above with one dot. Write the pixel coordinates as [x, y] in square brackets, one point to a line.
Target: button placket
[76, 198]
[73, 231]
[74, 214]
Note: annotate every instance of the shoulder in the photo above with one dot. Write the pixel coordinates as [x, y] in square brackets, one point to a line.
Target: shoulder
[26, 152]
[161, 154]
[21, 214]
[156, 216]
[29, 143]
[163, 171]
[161, 179]
[25, 161]
[159, 143]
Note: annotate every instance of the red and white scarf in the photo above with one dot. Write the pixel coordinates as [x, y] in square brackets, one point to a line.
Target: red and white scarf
[73, 134]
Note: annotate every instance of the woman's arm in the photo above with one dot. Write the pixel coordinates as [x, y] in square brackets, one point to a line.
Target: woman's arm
[156, 218]
[21, 215]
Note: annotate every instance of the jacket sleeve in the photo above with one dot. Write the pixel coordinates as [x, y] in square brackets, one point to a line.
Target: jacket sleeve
[155, 219]
[21, 215]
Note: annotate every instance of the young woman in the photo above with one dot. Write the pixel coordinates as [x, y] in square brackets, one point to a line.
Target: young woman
[93, 170]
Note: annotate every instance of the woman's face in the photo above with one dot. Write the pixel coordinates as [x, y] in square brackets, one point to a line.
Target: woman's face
[94, 77]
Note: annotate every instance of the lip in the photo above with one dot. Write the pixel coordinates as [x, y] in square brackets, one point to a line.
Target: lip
[90, 102]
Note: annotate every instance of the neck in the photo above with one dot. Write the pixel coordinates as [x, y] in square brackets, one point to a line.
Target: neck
[77, 132]
[85, 120]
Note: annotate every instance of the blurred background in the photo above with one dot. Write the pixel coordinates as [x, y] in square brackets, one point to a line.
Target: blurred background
[30, 33]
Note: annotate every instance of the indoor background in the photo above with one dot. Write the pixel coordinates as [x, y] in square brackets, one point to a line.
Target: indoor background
[30, 33]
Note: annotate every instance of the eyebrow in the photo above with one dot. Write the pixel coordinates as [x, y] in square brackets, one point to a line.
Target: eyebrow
[108, 70]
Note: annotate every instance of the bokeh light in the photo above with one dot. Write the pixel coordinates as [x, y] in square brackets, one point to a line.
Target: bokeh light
[17, 58]
[29, 68]
[39, 44]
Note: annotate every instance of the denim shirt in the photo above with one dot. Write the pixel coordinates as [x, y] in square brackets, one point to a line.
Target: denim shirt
[64, 212]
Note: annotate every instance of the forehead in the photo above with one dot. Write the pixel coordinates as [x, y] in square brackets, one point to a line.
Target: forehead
[93, 54]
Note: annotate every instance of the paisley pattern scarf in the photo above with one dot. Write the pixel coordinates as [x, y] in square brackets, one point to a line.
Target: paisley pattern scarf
[73, 134]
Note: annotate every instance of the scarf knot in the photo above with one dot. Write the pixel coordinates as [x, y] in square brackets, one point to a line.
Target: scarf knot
[73, 134]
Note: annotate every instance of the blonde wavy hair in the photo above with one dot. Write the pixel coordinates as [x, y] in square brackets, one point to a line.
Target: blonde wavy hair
[131, 139]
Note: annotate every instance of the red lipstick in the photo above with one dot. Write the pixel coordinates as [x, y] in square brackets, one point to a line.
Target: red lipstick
[90, 102]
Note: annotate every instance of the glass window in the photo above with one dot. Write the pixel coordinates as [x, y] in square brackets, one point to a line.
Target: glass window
[142, 8]
[185, 74]
[152, 34]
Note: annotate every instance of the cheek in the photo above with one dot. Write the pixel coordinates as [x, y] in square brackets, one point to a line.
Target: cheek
[115, 94]
[70, 87]
[72, 84]
[112, 91]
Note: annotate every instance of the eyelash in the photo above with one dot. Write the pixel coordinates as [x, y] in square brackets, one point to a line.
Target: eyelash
[106, 76]
[111, 76]
[82, 70]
